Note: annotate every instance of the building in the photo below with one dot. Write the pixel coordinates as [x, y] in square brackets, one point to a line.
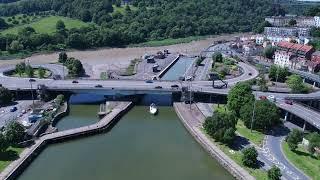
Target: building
[283, 21]
[317, 21]
[287, 32]
[315, 62]
[293, 55]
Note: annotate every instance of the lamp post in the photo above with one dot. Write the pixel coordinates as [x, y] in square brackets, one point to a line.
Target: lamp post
[30, 81]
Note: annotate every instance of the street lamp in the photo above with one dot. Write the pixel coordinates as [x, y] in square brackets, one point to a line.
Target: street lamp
[30, 81]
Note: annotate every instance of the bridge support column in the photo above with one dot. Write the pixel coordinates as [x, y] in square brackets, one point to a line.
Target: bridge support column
[286, 116]
[304, 126]
[304, 80]
[314, 84]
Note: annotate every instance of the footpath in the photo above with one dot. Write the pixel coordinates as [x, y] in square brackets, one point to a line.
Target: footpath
[192, 119]
[26, 157]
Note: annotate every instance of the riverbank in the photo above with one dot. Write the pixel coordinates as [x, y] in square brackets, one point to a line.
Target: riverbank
[26, 157]
[192, 120]
[100, 60]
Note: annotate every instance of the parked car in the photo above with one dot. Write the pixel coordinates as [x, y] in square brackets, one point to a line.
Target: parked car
[272, 98]
[98, 86]
[263, 97]
[75, 82]
[13, 109]
[149, 81]
[32, 80]
[250, 74]
[174, 86]
[158, 87]
[290, 102]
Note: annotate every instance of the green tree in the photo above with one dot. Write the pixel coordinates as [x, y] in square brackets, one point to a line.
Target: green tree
[294, 138]
[118, 3]
[4, 144]
[292, 22]
[20, 68]
[41, 72]
[15, 46]
[5, 96]
[238, 96]
[296, 84]
[3, 24]
[262, 83]
[274, 173]
[314, 141]
[14, 132]
[59, 99]
[249, 157]
[221, 126]
[29, 71]
[266, 115]
[217, 57]
[260, 28]
[60, 26]
[63, 57]
[269, 51]
[278, 74]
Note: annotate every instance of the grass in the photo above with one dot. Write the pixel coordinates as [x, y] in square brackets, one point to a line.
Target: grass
[103, 76]
[47, 25]
[7, 157]
[131, 68]
[121, 9]
[36, 74]
[237, 157]
[303, 160]
[170, 41]
[255, 137]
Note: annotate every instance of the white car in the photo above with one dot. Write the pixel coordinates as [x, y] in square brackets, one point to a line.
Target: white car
[272, 98]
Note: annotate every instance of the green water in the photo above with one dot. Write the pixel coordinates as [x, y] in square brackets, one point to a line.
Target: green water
[139, 147]
[178, 69]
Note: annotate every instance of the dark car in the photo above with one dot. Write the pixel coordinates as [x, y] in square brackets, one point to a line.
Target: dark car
[98, 86]
[149, 81]
[290, 102]
[13, 109]
[75, 82]
[32, 80]
[250, 74]
[174, 86]
[158, 87]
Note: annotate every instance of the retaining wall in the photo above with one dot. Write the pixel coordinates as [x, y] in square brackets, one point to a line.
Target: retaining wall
[168, 67]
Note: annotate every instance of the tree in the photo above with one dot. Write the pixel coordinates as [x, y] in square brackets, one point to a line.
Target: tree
[266, 115]
[118, 3]
[221, 126]
[75, 67]
[249, 157]
[4, 144]
[15, 46]
[41, 72]
[20, 68]
[217, 57]
[3, 24]
[29, 71]
[278, 74]
[59, 99]
[296, 84]
[314, 141]
[238, 96]
[15, 132]
[60, 26]
[262, 83]
[268, 52]
[62, 57]
[261, 26]
[274, 173]
[5, 96]
[293, 138]
[292, 22]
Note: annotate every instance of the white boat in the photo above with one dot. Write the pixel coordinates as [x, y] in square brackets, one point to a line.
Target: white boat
[153, 109]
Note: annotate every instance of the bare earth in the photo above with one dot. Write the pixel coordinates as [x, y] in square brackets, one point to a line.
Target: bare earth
[101, 60]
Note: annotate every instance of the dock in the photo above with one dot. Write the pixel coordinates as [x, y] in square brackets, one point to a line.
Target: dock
[26, 157]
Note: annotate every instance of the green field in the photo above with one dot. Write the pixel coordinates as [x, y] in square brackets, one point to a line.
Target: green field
[47, 25]
[255, 137]
[7, 157]
[302, 159]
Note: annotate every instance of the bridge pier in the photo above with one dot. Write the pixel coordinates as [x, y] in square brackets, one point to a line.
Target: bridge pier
[304, 126]
[304, 80]
[314, 84]
[286, 116]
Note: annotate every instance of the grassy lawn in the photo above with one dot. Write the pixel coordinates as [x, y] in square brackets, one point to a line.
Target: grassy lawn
[36, 74]
[237, 157]
[47, 25]
[310, 165]
[170, 41]
[255, 137]
[103, 76]
[7, 157]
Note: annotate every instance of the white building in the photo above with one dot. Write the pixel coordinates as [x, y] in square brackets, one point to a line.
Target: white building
[283, 59]
[317, 21]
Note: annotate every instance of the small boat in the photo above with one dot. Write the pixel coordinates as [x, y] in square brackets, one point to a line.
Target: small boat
[153, 109]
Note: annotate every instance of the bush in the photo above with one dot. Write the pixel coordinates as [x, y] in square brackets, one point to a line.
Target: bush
[15, 133]
[274, 173]
[249, 157]
[293, 138]
[217, 57]
[296, 84]
[238, 96]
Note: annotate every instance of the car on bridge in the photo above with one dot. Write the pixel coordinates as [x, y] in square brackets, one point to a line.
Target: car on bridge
[32, 80]
[174, 86]
[272, 98]
[158, 87]
[149, 81]
[75, 82]
[287, 101]
[98, 86]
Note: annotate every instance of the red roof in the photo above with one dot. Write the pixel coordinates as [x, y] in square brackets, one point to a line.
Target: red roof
[295, 46]
[316, 58]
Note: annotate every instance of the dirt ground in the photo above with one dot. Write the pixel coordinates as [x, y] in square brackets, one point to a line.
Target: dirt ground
[97, 61]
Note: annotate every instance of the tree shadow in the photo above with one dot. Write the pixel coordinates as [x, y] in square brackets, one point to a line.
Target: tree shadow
[9, 155]
[10, 104]
[239, 143]
[301, 153]
[279, 131]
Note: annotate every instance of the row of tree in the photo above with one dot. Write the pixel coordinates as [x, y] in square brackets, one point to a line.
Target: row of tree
[149, 20]
[75, 67]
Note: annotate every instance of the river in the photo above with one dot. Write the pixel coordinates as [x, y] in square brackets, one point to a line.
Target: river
[178, 69]
[139, 147]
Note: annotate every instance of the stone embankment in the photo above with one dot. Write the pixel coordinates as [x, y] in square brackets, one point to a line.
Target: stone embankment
[26, 157]
[192, 120]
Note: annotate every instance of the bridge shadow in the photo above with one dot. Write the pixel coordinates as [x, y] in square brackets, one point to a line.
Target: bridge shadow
[279, 131]
[239, 143]
[10, 104]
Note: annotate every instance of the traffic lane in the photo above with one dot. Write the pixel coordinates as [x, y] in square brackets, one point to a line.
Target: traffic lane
[7, 116]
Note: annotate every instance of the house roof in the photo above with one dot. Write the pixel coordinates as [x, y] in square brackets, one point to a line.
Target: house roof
[295, 46]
